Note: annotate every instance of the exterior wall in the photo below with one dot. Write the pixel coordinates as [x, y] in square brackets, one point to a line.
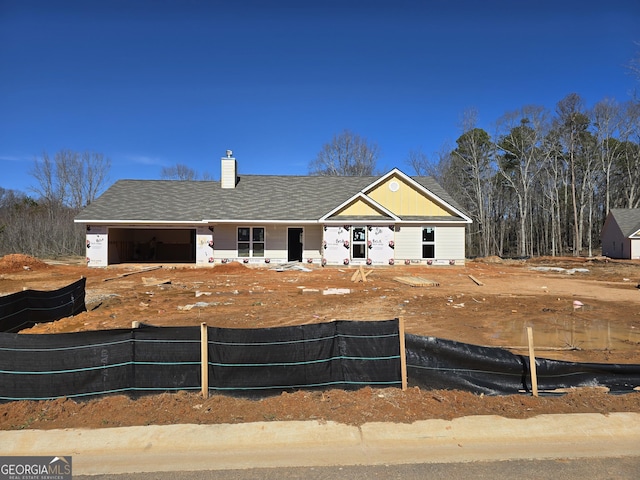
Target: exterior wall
[405, 199]
[331, 245]
[449, 244]
[204, 246]
[359, 208]
[338, 245]
[276, 245]
[635, 248]
[312, 245]
[97, 246]
[409, 242]
[225, 238]
[613, 241]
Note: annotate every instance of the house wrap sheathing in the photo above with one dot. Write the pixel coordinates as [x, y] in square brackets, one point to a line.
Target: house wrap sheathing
[328, 220]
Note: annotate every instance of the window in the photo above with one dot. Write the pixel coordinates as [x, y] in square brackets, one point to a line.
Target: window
[359, 242]
[251, 241]
[428, 242]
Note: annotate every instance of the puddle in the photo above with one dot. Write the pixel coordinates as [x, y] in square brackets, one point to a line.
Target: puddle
[583, 334]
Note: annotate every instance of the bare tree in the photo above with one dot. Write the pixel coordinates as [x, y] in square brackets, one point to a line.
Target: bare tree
[420, 163]
[48, 186]
[521, 142]
[634, 63]
[473, 158]
[605, 118]
[72, 179]
[179, 171]
[572, 125]
[348, 154]
[64, 184]
[95, 175]
[628, 167]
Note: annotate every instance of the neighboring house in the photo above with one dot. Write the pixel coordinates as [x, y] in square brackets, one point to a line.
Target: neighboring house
[621, 233]
[324, 220]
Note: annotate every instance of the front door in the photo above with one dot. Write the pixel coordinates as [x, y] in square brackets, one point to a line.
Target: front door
[294, 241]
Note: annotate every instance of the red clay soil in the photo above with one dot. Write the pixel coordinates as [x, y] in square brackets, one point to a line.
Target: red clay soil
[604, 326]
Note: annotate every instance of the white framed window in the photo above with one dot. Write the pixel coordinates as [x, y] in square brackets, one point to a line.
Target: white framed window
[251, 241]
[428, 242]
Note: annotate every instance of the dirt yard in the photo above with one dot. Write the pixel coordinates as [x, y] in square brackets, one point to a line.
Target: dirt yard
[585, 310]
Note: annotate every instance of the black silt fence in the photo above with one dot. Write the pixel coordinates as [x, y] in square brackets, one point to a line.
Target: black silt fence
[435, 363]
[340, 354]
[36, 367]
[150, 360]
[24, 309]
[165, 359]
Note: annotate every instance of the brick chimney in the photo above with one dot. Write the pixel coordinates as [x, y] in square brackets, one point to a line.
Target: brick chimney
[228, 171]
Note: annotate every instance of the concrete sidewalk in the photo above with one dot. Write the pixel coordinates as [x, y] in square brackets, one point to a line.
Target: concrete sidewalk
[289, 444]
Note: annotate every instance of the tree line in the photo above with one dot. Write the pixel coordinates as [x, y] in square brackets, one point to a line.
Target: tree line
[545, 181]
[41, 224]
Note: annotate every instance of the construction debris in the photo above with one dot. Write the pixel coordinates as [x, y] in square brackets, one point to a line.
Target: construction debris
[282, 267]
[152, 281]
[360, 275]
[197, 305]
[336, 291]
[122, 275]
[570, 271]
[417, 281]
[476, 281]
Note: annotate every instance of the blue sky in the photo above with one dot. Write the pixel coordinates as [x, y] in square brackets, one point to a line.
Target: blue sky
[154, 83]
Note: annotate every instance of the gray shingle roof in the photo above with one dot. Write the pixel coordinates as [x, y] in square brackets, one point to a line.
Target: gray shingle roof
[256, 197]
[628, 219]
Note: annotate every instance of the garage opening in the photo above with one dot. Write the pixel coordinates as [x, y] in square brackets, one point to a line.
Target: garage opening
[131, 245]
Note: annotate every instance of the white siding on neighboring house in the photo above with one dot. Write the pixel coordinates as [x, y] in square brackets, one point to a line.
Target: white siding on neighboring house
[635, 248]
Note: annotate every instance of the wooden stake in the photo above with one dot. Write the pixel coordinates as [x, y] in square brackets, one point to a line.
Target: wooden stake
[532, 363]
[403, 353]
[204, 360]
[476, 281]
[122, 275]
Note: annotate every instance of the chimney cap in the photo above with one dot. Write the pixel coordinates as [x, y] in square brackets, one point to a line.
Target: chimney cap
[229, 153]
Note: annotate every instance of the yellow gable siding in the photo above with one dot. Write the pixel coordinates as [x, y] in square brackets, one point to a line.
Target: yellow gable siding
[406, 200]
[359, 208]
